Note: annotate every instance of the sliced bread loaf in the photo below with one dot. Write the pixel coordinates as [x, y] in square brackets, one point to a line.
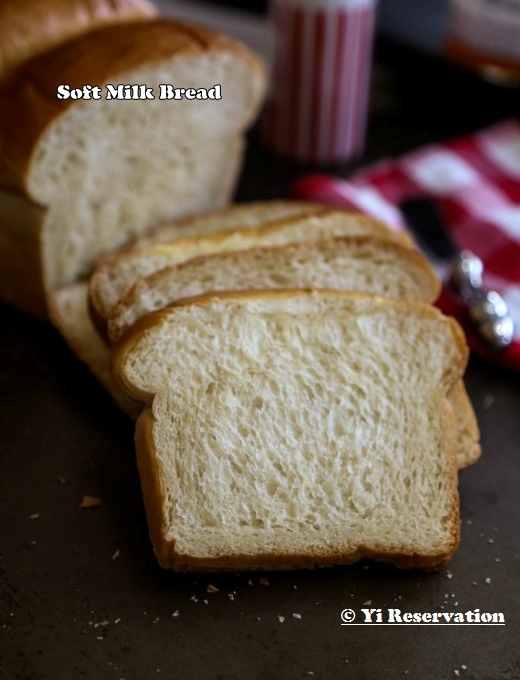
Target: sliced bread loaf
[287, 429]
[355, 263]
[105, 170]
[114, 275]
[77, 329]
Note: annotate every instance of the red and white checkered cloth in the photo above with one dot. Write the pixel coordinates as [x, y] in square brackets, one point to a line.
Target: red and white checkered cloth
[476, 182]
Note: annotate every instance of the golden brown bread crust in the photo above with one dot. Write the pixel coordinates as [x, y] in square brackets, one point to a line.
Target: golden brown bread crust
[95, 58]
[151, 488]
[30, 27]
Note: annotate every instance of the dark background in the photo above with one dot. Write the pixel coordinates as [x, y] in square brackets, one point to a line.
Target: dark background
[81, 595]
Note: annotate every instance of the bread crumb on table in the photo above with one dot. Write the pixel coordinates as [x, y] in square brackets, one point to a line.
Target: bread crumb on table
[488, 401]
[90, 502]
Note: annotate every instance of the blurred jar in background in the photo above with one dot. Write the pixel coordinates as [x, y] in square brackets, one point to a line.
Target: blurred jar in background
[484, 35]
[321, 65]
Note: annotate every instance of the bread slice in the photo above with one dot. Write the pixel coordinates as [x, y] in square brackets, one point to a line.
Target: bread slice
[114, 275]
[355, 263]
[31, 27]
[288, 429]
[105, 170]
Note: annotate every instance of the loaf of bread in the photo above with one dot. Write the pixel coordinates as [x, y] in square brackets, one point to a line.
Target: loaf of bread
[85, 176]
[115, 274]
[288, 429]
[30, 27]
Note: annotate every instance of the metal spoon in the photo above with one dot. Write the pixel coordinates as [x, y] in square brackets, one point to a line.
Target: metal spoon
[487, 309]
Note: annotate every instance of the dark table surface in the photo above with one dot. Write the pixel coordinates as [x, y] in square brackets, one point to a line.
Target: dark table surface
[81, 595]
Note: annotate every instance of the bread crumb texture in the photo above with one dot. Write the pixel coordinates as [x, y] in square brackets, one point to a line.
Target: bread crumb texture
[292, 430]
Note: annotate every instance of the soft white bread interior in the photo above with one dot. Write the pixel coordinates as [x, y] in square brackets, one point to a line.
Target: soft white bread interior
[31, 27]
[115, 274]
[105, 170]
[355, 263]
[292, 429]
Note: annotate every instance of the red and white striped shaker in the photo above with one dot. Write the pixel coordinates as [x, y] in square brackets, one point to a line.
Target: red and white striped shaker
[320, 76]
